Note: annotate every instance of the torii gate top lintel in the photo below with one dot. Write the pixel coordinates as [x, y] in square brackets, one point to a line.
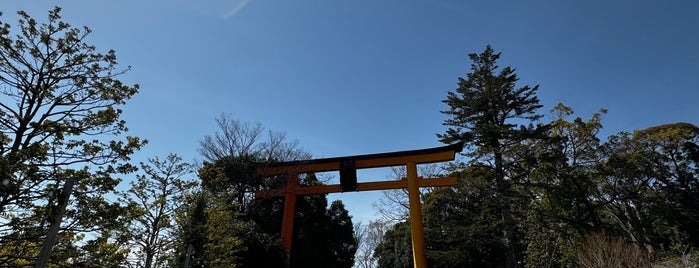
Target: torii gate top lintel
[422, 156]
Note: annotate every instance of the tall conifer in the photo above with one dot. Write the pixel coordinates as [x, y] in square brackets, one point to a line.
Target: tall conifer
[491, 115]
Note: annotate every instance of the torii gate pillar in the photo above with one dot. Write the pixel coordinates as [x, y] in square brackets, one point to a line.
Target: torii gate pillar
[348, 178]
[416, 229]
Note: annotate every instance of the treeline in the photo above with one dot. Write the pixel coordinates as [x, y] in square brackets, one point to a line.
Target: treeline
[553, 194]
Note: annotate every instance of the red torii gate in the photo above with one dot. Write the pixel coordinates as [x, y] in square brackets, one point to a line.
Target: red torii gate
[347, 166]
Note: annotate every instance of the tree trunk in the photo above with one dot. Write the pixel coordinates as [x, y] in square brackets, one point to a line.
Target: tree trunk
[188, 256]
[506, 211]
[149, 259]
[151, 245]
[50, 239]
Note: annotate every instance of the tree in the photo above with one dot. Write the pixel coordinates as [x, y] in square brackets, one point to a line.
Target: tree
[229, 154]
[191, 231]
[369, 237]
[323, 236]
[157, 195]
[395, 250]
[462, 226]
[566, 169]
[564, 183]
[237, 138]
[342, 242]
[487, 112]
[650, 185]
[106, 250]
[228, 181]
[59, 132]
[229, 227]
[462, 223]
[394, 205]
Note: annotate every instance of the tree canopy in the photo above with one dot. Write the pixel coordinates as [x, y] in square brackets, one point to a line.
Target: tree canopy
[61, 138]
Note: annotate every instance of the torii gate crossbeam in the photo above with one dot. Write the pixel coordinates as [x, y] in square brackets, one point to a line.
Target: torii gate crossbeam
[348, 182]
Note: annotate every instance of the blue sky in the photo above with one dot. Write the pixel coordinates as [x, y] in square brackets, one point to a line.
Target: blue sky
[359, 77]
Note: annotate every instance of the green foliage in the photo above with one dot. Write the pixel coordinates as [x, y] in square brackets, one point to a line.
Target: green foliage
[102, 252]
[223, 242]
[215, 227]
[487, 107]
[261, 249]
[550, 243]
[191, 231]
[565, 183]
[463, 227]
[463, 224]
[396, 249]
[323, 236]
[231, 178]
[625, 186]
[650, 184]
[59, 119]
[16, 253]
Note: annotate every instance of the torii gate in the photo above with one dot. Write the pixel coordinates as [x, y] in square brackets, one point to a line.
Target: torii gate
[348, 166]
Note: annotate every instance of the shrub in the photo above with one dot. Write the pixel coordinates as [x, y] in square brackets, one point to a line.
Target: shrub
[602, 251]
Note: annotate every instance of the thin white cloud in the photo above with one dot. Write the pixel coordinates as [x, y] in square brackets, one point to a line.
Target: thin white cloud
[239, 4]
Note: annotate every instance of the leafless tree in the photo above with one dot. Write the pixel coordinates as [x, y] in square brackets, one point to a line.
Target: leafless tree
[394, 206]
[369, 236]
[156, 196]
[238, 138]
[233, 147]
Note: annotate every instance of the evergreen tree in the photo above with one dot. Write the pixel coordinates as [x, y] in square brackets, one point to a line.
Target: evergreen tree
[461, 223]
[342, 242]
[494, 118]
[323, 236]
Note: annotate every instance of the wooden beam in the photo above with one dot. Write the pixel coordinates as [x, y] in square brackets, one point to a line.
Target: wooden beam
[287, 233]
[424, 156]
[417, 232]
[362, 186]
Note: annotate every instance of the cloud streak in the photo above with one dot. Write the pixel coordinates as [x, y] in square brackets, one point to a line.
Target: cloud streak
[240, 4]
